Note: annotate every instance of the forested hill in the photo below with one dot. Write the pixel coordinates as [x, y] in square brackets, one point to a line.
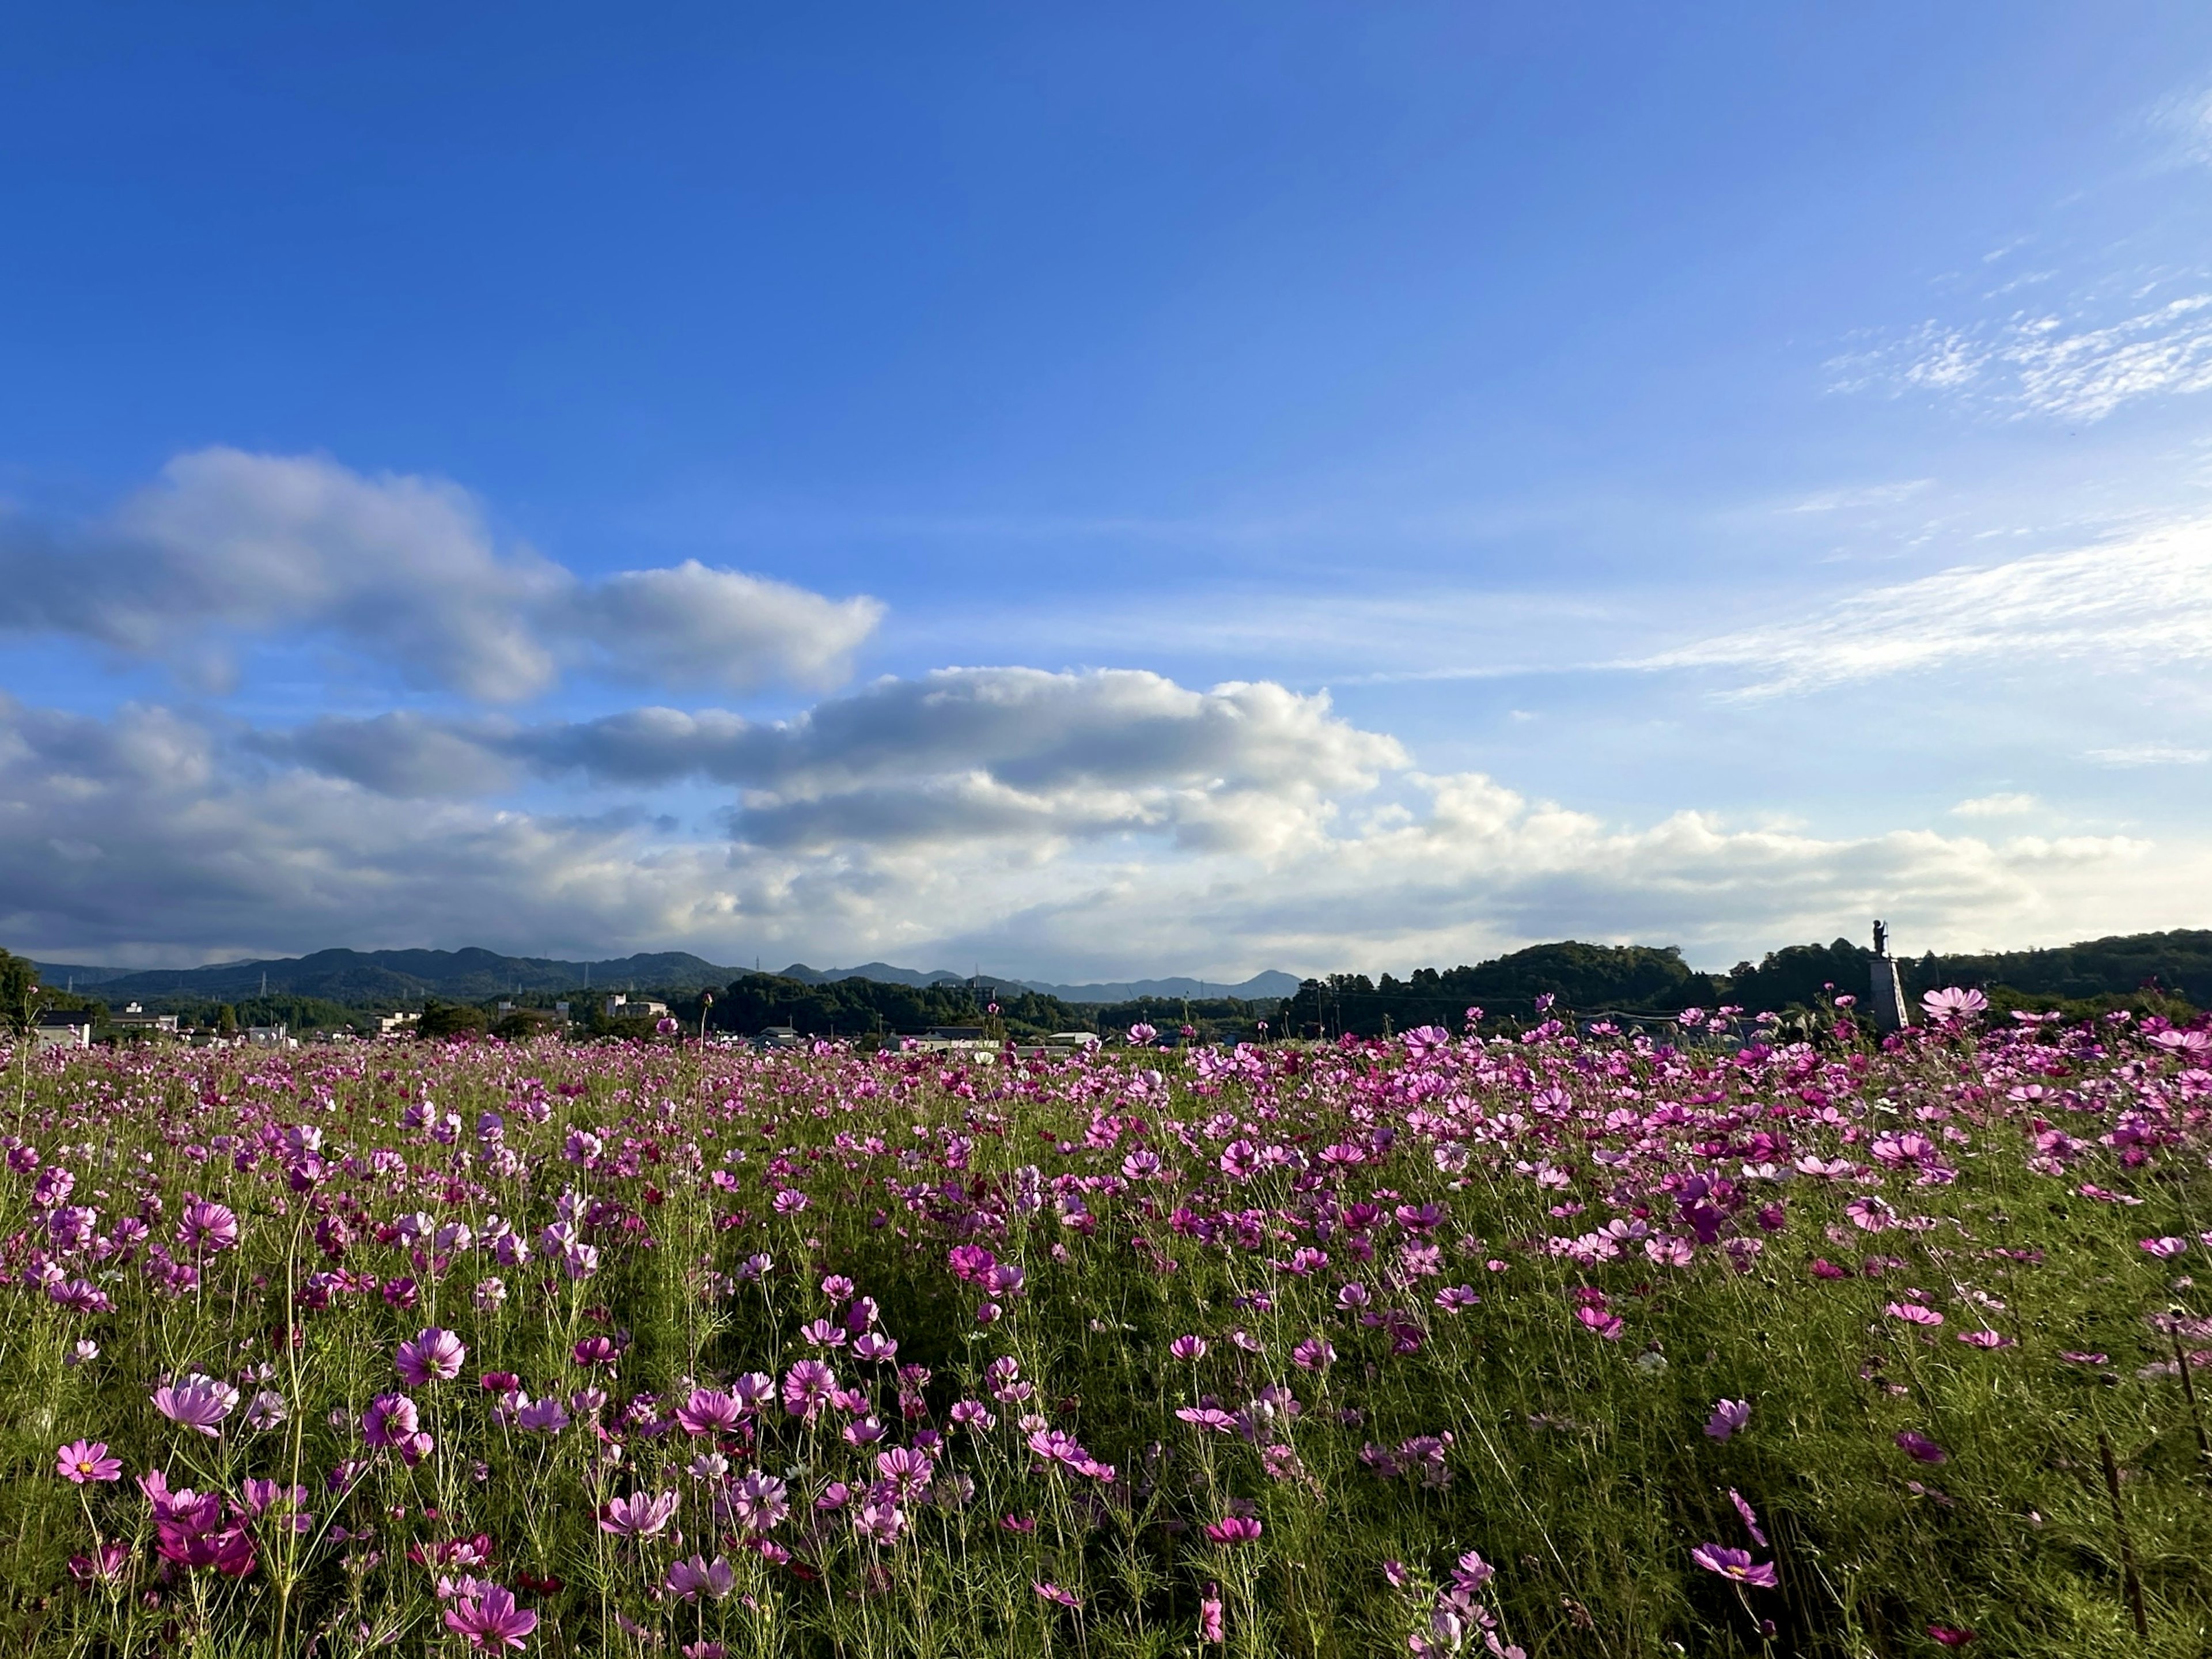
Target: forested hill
[1650, 979]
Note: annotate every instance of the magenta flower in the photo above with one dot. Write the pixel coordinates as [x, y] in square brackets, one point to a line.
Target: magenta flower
[1920, 1447]
[637, 1516]
[1750, 1517]
[104, 1566]
[206, 1227]
[1735, 1564]
[1140, 1034]
[547, 1416]
[1727, 1419]
[1314, 1354]
[1952, 1005]
[432, 1355]
[1913, 1313]
[2164, 1248]
[689, 1579]
[491, 1619]
[1211, 1629]
[1985, 1340]
[1046, 1589]
[760, 1501]
[709, 1411]
[390, 1420]
[806, 1386]
[83, 1461]
[1233, 1530]
[1187, 1348]
[197, 1402]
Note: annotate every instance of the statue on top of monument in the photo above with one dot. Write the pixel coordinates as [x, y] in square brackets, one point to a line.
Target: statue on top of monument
[1881, 939]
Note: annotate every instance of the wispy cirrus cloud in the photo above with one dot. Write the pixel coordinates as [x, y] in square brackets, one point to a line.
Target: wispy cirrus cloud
[2138, 601]
[2150, 754]
[2046, 364]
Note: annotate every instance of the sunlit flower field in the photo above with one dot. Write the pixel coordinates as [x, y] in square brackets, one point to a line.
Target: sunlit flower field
[1564, 1341]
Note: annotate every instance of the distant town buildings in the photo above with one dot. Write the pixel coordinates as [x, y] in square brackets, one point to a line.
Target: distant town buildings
[622, 1006]
[135, 1018]
[398, 1025]
[64, 1028]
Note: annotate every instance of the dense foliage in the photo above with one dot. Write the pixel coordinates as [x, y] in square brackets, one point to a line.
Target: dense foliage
[1557, 1344]
[2146, 972]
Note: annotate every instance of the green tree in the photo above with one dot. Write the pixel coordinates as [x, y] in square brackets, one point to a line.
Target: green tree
[18, 988]
[451, 1019]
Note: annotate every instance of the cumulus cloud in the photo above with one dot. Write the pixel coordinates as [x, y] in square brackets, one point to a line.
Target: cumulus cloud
[151, 837]
[2141, 601]
[226, 546]
[1002, 753]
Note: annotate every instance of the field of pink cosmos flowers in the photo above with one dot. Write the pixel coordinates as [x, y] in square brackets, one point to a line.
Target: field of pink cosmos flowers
[1563, 1342]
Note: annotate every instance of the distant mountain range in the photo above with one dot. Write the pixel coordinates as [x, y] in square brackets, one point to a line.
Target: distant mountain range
[1264, 985]
[367, 979]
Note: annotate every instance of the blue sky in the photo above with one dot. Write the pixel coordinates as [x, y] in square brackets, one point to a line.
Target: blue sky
[1166, 489]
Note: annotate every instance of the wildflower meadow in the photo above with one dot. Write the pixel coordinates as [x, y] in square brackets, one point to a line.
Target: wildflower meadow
[1560, 1340]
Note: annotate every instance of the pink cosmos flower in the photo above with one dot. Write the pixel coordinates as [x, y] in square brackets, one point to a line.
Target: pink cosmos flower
[1727, 1419]
[1920, 1447]
[806, 1386]
[1211, 1629]
[1985, 1340]
[1046, 1589]
[433, 1355]
[709, 1411]
[1233, 1530]
[543, 1416]
[104, 1566]
[689, 1579]
[1187, 1348]
[1735, 1564]
[2164, 1248]
[491, 1619]
[206, 1228]
[637, 1516]
[197, 1402]
[1314, 1354]
[1952, 1005]
[390, 1419]
[1912, 1313]
[1601, 1322]
[83, 1461]
[760, 1501]
[1750, 1517]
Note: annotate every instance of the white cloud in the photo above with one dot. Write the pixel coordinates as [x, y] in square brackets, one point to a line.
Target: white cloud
[151, 837]
[997, 753]
[691, 625]
[403, 571]
[1886, 495]
[2139, 602]
[2149, 754]
[1996, 806]
[2046, 364]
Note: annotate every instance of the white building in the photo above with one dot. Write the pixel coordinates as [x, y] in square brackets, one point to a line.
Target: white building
[64, 1028]
[620, 1006]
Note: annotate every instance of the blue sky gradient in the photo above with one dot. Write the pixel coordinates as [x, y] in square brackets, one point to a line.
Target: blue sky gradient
[1167, 490]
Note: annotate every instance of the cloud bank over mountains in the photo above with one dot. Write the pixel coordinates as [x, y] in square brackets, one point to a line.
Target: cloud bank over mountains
[1091, 821]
